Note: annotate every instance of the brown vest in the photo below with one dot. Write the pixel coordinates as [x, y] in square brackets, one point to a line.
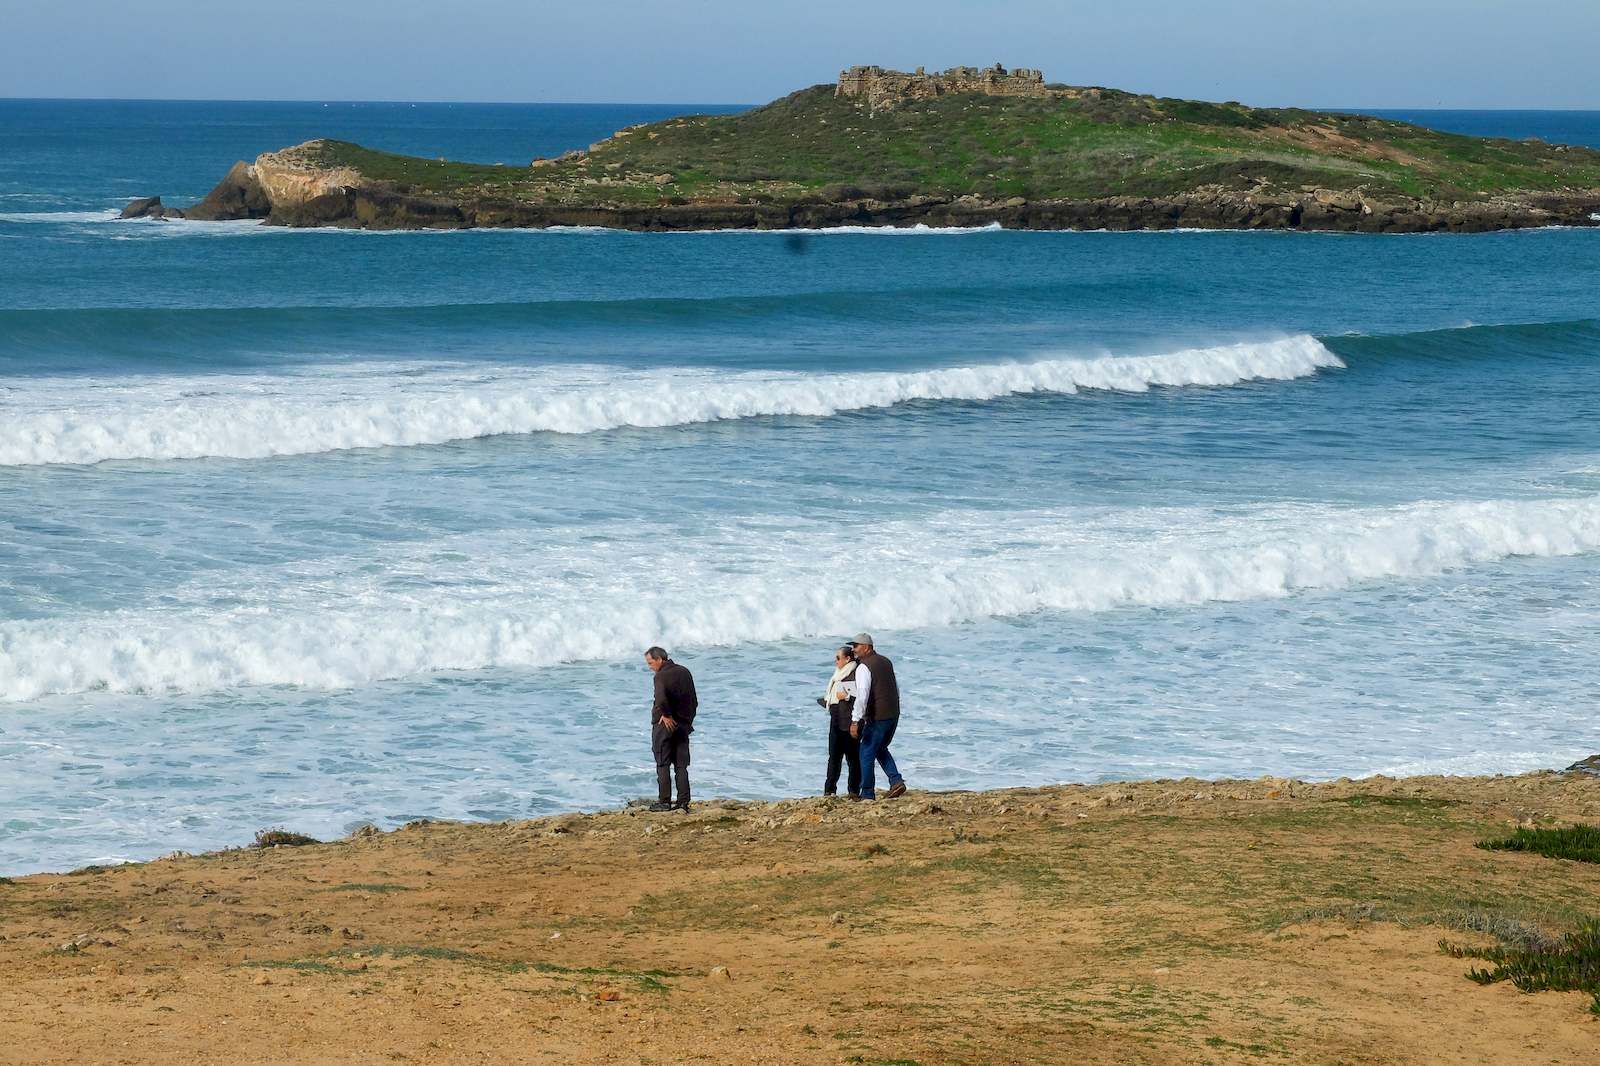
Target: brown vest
[883, 700]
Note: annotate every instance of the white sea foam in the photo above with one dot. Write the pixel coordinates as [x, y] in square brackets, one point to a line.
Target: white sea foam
[1486, 762]
[143, 229]
[916, 229]
[60, 216]
[382, 405]
[515, 602]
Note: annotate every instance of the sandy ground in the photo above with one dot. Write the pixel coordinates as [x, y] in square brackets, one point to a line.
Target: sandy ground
[1164, 922]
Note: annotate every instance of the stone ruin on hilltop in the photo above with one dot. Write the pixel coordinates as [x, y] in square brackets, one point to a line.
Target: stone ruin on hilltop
[883, 89]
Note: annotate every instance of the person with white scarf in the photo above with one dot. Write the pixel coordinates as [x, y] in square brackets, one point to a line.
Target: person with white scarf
[839, 701]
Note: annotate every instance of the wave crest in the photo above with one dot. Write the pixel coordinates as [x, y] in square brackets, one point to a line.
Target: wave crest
[372, 406]
[502, 604]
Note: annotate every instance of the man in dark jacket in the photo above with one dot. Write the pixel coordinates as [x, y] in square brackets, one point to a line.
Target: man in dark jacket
[875, 716]
[671, 722]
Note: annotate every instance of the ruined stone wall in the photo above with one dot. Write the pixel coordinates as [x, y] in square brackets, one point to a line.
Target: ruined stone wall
[884, 89]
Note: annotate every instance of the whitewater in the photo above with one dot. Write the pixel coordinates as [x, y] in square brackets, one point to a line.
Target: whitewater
[383, 405]
[502, 604]
[310, 528]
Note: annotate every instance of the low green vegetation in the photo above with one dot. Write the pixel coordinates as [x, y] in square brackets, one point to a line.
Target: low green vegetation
[647, 980]
[1570, 964]
[1580, 843]
[1079, 144]
[1414, 803]
[379, 888]
[283, 838]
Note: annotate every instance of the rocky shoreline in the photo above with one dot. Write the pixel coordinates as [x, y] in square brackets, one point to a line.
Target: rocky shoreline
[282, 190]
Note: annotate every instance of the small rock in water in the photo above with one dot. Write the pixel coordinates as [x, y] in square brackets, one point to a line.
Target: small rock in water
[144, 206]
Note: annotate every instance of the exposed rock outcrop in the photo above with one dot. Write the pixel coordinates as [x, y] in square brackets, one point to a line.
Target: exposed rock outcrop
[883, 89]
[238, 195]
[144, 207]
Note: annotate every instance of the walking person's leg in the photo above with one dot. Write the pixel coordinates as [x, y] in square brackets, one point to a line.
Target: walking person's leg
[852, 755]
[897, 784]
[836, 745]
[869, 749]
[680, 758]
[661, 748]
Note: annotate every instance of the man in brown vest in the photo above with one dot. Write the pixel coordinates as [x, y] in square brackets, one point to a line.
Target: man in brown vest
[876, 713]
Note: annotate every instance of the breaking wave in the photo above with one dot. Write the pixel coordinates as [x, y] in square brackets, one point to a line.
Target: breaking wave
[500, 602]
[60, 420]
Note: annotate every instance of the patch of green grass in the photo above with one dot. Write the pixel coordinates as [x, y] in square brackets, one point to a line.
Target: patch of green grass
[1249, 1049]
[6, 881]
[1571, 964]
[382, 887]
[647, 980]
[277, 837]
[298, 965]
[1580, 843]
[414, 172]
[1414, 803]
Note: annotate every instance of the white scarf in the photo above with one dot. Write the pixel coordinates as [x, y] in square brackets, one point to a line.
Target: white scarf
[838, 675]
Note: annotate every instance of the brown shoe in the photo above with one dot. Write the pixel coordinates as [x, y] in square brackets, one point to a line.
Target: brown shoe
[896, 790]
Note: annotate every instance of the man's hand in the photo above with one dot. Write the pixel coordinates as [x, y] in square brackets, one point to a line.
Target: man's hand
[668, 724]
[855, 730]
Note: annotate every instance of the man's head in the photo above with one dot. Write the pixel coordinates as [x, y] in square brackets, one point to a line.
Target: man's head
[862, 642]
[656, 658]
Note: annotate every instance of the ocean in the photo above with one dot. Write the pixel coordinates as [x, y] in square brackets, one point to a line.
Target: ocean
[311, 528]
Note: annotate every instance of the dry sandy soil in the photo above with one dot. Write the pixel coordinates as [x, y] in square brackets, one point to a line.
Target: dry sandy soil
[1165, 922]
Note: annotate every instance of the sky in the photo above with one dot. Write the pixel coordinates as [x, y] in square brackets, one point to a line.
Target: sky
[1353, 53]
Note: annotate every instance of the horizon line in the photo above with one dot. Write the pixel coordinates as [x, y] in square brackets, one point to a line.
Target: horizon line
[328, 101]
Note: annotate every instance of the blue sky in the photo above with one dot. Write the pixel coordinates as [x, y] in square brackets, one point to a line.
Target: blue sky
[1353, 53]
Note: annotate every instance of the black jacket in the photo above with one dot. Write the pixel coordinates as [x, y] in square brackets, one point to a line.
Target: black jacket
[840, 712]
[675, 697]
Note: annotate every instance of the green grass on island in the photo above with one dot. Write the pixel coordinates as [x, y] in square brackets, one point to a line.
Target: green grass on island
[1081, 144]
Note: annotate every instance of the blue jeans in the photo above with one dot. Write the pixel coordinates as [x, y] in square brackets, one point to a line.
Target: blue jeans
[875, 737]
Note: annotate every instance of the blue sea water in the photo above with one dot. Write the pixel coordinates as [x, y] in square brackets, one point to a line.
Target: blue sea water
[307, 528]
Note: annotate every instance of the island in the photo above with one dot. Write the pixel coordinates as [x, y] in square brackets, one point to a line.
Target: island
[962, 147]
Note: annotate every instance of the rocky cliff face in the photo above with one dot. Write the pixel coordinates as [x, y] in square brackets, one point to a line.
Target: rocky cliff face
[238, 195]
[285, 188]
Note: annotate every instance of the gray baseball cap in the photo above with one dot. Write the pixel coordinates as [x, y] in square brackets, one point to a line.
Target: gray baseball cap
[863, 638]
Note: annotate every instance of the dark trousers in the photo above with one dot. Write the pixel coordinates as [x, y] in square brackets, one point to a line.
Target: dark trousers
[672, 755]
[842, 747]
